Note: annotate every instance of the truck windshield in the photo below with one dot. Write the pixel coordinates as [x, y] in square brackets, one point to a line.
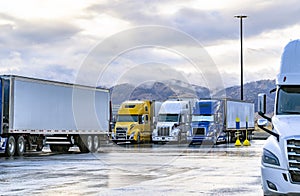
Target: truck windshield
[288, 100]
[128, 118]
[168, 118]
[199, 118]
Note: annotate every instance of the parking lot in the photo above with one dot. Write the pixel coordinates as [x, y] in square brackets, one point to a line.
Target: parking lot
[137, 169]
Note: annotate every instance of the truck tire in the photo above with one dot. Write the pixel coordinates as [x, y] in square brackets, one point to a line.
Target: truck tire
[10, 146]
[89, 143]
[96, 143]
[20, 146]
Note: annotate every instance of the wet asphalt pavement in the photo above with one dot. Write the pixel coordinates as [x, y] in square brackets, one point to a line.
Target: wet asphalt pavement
[137, 170]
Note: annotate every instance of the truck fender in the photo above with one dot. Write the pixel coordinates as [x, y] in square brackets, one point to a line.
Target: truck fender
[137, 136]
[274, 146]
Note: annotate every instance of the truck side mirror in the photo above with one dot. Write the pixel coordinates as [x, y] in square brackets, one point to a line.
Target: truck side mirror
[145, 119]
[262, 106]
[262, 122]
[261, 103]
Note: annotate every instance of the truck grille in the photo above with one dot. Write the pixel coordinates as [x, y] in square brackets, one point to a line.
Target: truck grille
[121, 132]
[199, 131]
[293, 150]
[163, 131]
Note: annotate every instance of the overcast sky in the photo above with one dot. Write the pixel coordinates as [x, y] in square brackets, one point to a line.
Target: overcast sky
[111, 42]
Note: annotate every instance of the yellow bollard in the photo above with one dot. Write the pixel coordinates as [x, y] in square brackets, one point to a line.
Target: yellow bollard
[246, 142]
[237, 141]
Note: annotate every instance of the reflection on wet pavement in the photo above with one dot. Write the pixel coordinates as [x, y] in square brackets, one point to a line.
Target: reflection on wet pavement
[142, 170]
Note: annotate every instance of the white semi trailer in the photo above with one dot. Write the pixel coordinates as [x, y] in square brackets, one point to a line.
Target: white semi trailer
[35, 112]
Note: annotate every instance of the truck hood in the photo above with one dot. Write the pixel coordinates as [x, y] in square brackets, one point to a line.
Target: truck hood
[165, 124]
[127, 125]
[200, 124]
[287, 125]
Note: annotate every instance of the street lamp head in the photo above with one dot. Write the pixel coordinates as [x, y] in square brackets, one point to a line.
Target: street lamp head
[241, 16]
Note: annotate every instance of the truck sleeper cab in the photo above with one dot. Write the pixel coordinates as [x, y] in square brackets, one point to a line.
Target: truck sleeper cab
[135, 121]
[173, 121]
[280, 163]
[207, 122]
[215, 120]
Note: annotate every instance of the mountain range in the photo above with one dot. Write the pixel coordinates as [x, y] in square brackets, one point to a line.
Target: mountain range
[163, 90]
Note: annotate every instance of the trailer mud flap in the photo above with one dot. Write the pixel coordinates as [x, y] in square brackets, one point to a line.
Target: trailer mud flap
[2, 144]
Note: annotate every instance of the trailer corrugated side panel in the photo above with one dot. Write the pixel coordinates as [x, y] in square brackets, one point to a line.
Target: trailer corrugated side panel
[243, 110]
[42, 105]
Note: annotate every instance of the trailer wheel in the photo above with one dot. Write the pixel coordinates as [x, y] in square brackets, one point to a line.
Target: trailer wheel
[95, 143]
[10, 146]
[89, 143]
[20, 147]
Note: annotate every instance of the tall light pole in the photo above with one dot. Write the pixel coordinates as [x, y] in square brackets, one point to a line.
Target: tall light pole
[241, 17]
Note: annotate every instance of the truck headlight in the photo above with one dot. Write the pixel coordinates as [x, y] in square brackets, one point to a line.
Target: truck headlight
[132, 134]
[189, 133]
[211, 127]
[210, 134]
[174, 132]
[269, 158]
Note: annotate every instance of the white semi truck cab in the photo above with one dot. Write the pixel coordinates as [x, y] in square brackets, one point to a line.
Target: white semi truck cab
[173, 123]
[280, 165]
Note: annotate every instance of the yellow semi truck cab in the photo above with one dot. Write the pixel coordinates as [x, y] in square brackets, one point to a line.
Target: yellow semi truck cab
[135, 121]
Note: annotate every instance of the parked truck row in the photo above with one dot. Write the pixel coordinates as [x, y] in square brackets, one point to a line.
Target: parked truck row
[35, 113]
[184, 120]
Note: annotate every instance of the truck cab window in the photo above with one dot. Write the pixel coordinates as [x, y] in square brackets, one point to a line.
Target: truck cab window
[288, 101]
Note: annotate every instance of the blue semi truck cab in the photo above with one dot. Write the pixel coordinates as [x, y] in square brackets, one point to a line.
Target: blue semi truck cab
[207, 122]
[215, 120]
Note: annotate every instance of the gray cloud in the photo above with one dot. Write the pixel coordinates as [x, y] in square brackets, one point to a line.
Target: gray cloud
[207, 26]
[40, 45]
[136, 12]
[42, 31]
[275, 15]
[45, 44]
